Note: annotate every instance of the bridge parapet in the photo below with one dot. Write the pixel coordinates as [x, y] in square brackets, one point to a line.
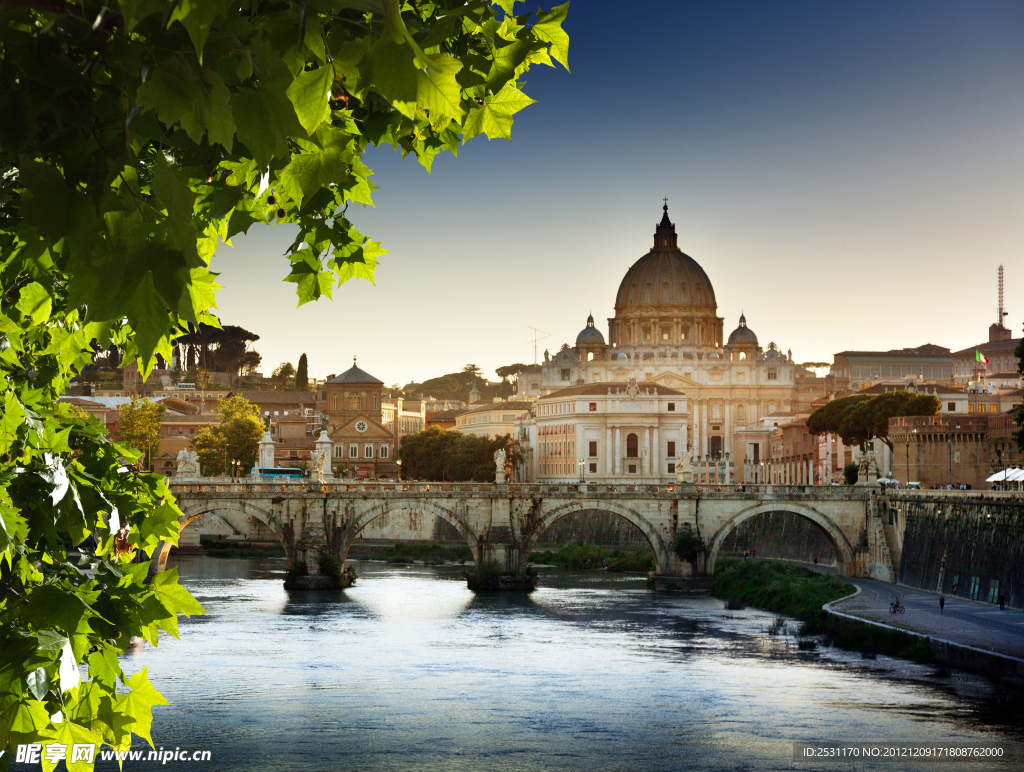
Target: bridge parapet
[535, 490]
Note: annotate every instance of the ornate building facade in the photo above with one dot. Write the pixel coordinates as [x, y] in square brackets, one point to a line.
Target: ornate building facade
[666, 331]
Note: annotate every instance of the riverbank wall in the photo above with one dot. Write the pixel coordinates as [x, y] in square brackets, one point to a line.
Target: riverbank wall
[973, 549]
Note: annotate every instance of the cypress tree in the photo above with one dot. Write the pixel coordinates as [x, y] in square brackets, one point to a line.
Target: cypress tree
[301, 375]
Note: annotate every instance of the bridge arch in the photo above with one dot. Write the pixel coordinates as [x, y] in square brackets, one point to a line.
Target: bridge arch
[365, 517]
[195, 510]
[840, 544]
[662, 557]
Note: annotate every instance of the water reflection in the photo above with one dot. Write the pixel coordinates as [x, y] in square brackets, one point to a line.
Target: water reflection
[409, 670]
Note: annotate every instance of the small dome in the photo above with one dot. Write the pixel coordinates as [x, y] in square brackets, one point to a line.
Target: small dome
[590, 334]
[742, 335]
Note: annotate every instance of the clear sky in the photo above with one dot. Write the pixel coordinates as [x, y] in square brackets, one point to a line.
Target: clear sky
[849, 174]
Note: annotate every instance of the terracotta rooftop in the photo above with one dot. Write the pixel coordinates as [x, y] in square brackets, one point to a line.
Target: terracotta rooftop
[927, 350]
[281, 397]
[995, 347]
[500, 406]
[448, 415]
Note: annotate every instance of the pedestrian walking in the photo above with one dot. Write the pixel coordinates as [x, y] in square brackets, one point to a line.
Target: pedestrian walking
[942, 604]
[1002, 602]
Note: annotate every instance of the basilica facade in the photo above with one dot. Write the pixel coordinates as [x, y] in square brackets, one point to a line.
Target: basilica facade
[666, 333]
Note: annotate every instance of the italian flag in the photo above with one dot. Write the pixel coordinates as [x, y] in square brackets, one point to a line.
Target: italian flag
[979, 357]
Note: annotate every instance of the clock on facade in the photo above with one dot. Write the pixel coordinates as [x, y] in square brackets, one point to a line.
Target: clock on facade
[360, 426]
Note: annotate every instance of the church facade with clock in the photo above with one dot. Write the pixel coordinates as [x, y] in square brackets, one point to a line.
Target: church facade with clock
[362, 446]
[666, 338]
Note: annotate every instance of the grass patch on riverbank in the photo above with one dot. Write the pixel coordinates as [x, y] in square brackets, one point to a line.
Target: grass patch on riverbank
[799, 592]
[580, 557]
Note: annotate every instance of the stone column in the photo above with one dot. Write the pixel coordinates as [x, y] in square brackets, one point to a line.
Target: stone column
[608, 455]
[696, 429]
[727, 425]
[656, 455]
[645, 461]
[705, 428]
[618, 450]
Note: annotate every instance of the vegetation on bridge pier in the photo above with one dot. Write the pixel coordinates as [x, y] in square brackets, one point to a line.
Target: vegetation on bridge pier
[333, 575]
[489, 576]
[799, 592]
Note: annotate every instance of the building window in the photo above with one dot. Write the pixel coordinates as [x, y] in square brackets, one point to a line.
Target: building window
[991, 408]
[373, 401]
[335, 401]
[671, 407]
[593, 407]
[339, 452]
[565, 373]
[355, 402]
[534, 386]
[593, 448]
[293, 454]
[671, 468]
[383, 451]
[772, 374]
[353, 450]
[632, 446]
[593, 468]
[671, 449]
[632, 468]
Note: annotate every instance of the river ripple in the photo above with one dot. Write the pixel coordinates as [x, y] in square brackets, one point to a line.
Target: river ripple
[408, 670]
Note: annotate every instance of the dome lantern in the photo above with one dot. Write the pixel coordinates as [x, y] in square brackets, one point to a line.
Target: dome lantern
[590, 335]
[665, 231]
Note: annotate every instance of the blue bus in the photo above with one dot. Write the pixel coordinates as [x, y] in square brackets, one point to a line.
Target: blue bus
[274, 473]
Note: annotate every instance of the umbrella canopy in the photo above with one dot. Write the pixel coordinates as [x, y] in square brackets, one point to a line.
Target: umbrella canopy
[1007, 475]
[887, 480]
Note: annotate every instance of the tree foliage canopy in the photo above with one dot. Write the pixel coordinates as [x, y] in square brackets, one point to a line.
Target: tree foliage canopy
[445, 455]
[138, 425]
[860, 418]
[235, 437]
[135, 138]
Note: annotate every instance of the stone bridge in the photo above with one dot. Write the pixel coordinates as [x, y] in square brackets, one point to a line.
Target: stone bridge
[504, 522]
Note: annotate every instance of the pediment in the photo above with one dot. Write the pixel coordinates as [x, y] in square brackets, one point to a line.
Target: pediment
[347, 432]
[675, 381]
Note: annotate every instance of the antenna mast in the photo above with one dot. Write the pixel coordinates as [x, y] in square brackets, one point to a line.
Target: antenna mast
[535, 339]
[1000, 313]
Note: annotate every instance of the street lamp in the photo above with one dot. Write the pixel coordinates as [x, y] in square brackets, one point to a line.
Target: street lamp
[583, 477]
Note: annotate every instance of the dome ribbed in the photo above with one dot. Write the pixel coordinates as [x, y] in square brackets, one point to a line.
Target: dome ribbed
[666, 279]
[742, 335]
[590, 334]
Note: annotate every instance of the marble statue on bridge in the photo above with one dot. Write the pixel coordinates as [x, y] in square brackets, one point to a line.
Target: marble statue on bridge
[499, 465]
[188, 463]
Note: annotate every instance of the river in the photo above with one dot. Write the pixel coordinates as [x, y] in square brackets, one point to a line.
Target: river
[408, 670]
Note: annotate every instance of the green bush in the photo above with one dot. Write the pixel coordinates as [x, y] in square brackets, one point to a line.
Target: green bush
[581, 557]
[484, 576]
[799, 592]
[298, 568]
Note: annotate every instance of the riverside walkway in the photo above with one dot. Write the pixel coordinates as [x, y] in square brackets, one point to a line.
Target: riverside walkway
[966, 622]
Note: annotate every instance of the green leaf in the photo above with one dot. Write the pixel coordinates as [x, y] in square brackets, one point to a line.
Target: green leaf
[549, 28]
[159, 525]
[308, 172]
[197, 17]
[436, 88]
[265, 119]
[139, 702]
[494, 117]
[135, 11]
[38, 683]
[34, 303]
[196, 102]
[179, 201]
[311, 281]
[308, 93]
[50, 607]
[394, 74]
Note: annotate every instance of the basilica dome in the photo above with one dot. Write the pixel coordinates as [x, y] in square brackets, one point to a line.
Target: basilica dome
[590, 334]
[666, 298]
[742, 335]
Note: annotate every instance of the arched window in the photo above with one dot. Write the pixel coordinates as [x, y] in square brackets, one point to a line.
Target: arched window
[373, 402]
[354, 402]
[632, 449]
[335, 401]
[742, 356]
